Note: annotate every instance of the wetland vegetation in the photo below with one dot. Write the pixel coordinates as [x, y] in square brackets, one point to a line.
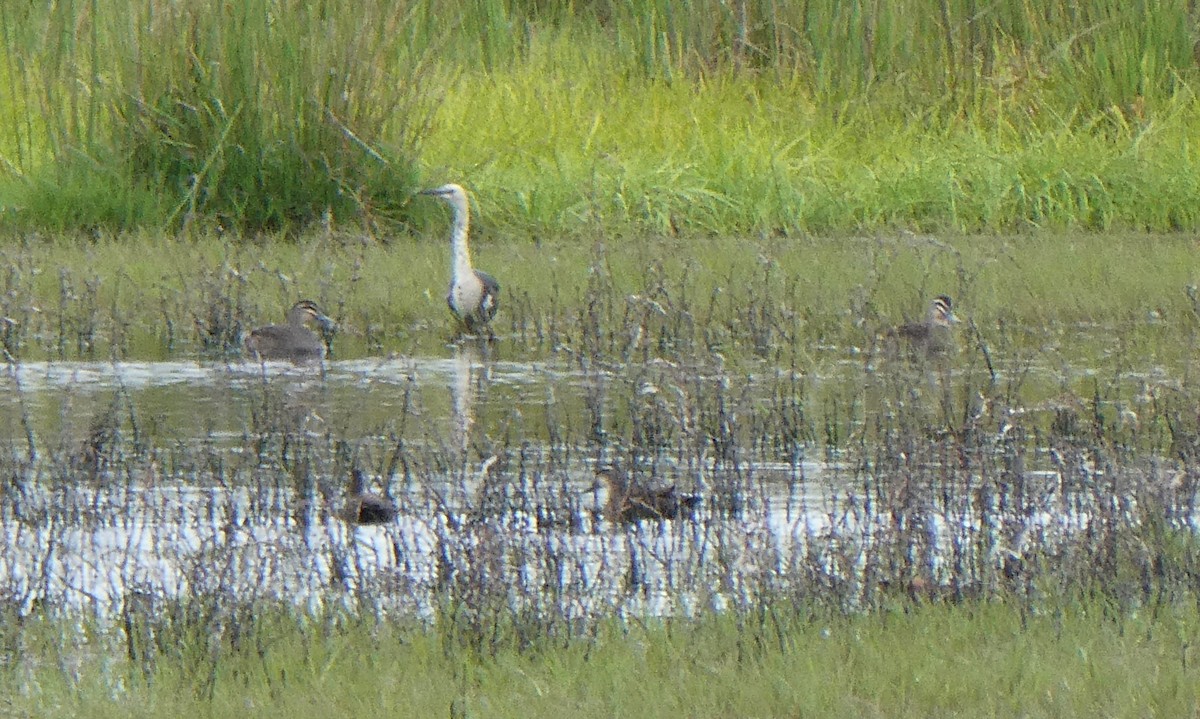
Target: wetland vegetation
[748, 117]
[698, 276]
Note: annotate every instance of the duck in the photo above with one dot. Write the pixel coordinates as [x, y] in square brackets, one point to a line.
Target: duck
[933, 335]
[474, 295]
[291, 341]
[630, 501]
[363, 507]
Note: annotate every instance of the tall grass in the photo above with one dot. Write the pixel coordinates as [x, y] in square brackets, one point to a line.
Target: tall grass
[952, 52]
[748, 156]
[699, 117]
[258, 115]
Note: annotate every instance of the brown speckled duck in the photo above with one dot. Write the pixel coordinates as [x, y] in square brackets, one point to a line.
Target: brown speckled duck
[630, 501]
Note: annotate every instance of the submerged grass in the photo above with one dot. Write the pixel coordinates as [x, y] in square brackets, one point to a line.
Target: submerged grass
[978, 528]
[140, 296]
[974, 660]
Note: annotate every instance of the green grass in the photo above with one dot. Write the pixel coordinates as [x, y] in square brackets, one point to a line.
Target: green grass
[139, 296]
[640, 118]
[757, 155]
[259, 116]
[967, 660]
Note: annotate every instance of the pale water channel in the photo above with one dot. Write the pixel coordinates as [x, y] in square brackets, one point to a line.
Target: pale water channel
[153, 481]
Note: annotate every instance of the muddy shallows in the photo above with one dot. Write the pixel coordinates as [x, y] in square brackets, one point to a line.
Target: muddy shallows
[181, 491]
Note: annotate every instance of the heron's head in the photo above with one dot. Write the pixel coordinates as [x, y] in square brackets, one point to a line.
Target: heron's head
[451, 193]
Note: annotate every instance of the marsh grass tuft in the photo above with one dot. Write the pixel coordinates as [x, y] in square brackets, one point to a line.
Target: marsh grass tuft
[266, 116]
[719, 118]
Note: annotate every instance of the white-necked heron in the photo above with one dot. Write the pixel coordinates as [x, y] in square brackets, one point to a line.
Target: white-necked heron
[473, 296]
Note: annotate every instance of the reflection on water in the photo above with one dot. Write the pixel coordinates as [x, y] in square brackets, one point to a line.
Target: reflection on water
[173, 478]
[190, 400]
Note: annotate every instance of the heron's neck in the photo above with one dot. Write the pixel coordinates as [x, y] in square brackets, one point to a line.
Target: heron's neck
[460, 258]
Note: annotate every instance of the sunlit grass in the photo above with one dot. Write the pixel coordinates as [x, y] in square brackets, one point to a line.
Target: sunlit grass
[634, 117]
[969, 660]
[759, 156]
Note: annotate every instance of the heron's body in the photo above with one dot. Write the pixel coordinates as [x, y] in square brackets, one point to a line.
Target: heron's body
[473, 296]
[934, 335]
[630, 501]
[363, 507]
[291, 341]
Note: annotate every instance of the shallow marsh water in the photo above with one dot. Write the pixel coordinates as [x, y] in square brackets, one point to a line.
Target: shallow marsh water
[133, 484]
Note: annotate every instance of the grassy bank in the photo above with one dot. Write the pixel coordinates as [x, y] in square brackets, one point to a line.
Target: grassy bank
[641, 118]
[139, 297]
[970, 660]
[760, 155]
